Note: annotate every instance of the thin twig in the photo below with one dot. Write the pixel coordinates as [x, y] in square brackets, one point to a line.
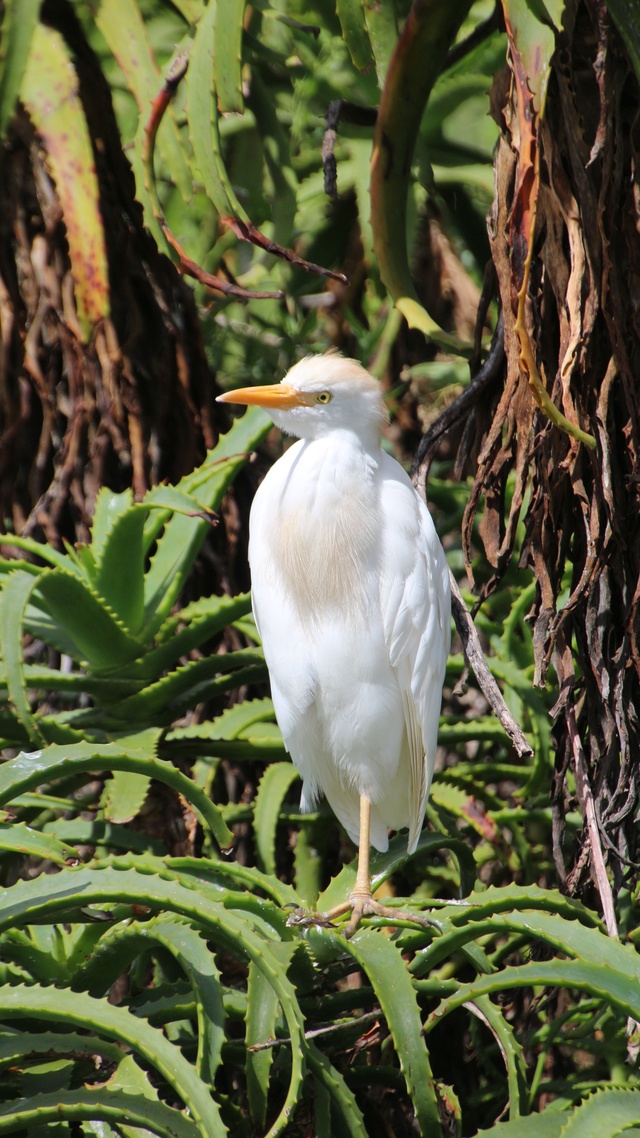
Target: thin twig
[472, 648]
[317, 1031]
[459, 409]
[588, 808]
[476, 659]
[480, 33]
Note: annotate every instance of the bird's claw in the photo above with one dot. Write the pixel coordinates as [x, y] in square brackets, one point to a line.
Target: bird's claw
[304, 919]
[360, 906]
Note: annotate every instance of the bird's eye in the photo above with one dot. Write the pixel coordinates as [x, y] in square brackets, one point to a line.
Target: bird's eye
[324, 397]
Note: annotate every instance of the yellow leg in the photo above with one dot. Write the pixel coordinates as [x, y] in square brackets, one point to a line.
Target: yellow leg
[361, 902]
[361, 897]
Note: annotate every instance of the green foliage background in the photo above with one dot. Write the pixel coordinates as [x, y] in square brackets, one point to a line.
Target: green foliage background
[151, 981]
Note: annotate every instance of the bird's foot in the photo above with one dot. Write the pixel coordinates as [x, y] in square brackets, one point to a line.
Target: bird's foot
[360, 905]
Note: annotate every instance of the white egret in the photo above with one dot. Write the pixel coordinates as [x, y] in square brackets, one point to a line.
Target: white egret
[351, 598]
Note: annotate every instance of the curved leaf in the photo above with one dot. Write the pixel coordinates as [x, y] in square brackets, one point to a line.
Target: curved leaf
[106, 883]
[19, 838]
[342, 1098]
[382, 963]
[272, 789]
[428, 32]
[261, 1017]
[77, 1010]
[203, 117]
[16, 1043]
[99, 635]
[227, 55]
[182, 537]
[567, 936]
[29, 770]
[19, 21]
[545, 1125]
[14, 598]
[126, 942]
[123, 28]
[510, 1049]
[100, 1103]
[604, 1114]
[354, 32]
[120, 568]
[50, 92]
[618, 988]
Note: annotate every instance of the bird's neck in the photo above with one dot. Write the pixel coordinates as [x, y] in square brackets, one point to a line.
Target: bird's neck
[347, 442]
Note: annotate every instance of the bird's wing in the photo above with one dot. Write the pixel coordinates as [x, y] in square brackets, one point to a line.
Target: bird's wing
[416, 608]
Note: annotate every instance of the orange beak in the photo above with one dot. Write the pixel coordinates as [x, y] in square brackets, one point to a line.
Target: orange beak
[278, 395]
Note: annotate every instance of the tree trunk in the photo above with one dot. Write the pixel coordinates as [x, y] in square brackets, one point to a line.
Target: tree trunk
[133, 406]
[580, 503]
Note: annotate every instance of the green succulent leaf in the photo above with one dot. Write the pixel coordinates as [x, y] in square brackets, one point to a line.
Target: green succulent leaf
[19, 838]
[99, 635]
[76, 1009]
[19, 22]
[29, 770]
[381, 961]
[272, 789]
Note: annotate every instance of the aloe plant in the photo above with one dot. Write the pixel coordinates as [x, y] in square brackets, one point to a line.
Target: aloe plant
[109, 608]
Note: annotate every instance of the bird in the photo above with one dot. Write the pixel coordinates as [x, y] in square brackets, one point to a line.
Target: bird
[351, 598]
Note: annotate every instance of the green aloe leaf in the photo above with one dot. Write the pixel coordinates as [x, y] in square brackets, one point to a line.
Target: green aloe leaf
[103, 688]
[510, 1049]
[122, 25]
[97, 632]
[182, 537]
[246, 718]
[604, 1114]
[109, 508]
[261, 1017]
[546, 1125]
[535, 918]
[384, 865]
[76, 1009]
[202, 114]
[50, 92]
[119, 574]
[355, 32]
[342, 1099]
[241, 877]
[382, 963]
[198, 679]
[19, 838]
[107, 836]
[136, 754]
[227, 55]
[126, 943]
[16, 592]
[202, 620]
[16, 1043]
[382, 27]
[19, 21]
[270, 795]
[619, 988]
[124, 796]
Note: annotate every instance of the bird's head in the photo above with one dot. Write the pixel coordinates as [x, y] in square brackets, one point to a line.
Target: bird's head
[318, 395]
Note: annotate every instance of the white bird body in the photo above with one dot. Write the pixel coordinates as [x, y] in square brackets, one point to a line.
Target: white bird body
[351, 598]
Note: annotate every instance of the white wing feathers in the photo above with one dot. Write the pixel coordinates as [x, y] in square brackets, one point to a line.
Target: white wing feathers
[416, 612]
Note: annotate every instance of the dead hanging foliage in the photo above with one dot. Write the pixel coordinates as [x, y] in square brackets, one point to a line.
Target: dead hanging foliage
[135, 404]
[565, 243]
